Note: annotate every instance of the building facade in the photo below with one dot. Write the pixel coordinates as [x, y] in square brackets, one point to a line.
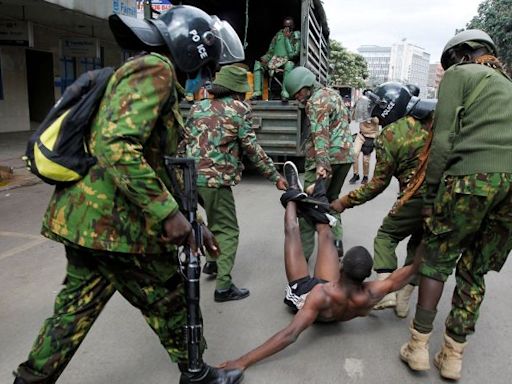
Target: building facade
[402, 62]
[45, 46]
[435, 74]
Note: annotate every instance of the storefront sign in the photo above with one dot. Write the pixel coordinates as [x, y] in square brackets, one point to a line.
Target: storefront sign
[157, 5]
[125, 7]
[80, 47]
[15, 33]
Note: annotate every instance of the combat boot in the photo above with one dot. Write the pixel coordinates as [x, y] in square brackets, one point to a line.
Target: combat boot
[354, 179]
[211, 375]
[19, 380]
[388, 301]
[415, 351]
[402, 300]
[364, 180]
[449, 359]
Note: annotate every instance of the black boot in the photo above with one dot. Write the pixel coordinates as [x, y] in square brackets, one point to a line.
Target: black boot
[19, 380]
[210, 268]
[365, 180]
[354, 179]
[231, 293]
[211, 375]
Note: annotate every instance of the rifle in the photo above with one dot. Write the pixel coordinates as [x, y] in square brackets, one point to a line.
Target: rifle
[190, 267]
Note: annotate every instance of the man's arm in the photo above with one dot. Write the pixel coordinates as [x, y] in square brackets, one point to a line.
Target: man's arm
[398, 279]
[315, 302]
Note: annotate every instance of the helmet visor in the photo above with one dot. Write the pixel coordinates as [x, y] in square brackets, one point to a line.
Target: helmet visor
[232, 50]
[363, 109]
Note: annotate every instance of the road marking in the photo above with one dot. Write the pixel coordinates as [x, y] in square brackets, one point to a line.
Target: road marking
[354, 368]
[36, 240]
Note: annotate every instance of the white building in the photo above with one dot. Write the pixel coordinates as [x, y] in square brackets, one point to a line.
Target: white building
[435, 74]
[402, 62]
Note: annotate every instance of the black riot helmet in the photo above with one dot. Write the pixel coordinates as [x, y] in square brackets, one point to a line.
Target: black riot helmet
[192, 37]
[392, 101]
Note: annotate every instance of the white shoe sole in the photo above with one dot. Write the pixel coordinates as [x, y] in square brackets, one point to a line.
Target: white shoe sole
[291, 164]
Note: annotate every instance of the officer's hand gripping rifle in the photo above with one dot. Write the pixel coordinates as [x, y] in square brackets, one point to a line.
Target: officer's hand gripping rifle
[190, 268]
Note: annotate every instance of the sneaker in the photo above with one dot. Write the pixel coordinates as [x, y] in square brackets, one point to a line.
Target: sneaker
[354, 179]
[231, 293]
[291, 174]
[365, 180]
[210, 268]
[292, 195]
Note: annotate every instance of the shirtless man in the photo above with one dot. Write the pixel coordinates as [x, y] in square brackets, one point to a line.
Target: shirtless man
[333, 293]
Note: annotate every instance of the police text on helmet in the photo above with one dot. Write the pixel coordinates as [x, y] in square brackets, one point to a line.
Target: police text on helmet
[200, 48]
[388, 109]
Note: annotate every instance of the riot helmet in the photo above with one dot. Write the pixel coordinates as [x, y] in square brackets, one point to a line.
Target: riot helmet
[193, 38]
[473, 38]
[388, 102]
[298, 78]
[413, 89]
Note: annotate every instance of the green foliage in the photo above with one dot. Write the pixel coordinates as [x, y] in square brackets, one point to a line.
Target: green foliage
[495, 18]
[347, 69]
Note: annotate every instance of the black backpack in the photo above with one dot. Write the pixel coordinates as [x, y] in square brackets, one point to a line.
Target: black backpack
[57, 152]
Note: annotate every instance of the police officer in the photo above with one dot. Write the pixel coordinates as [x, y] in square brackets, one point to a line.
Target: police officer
[119, 224]
[218, 132]
[283, 50]
[468, 196]
[401, 151]
[329, 147]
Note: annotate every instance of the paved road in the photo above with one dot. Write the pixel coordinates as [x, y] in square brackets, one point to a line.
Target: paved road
[121, 348]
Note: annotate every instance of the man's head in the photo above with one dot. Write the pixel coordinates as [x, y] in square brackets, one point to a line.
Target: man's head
[465, 46]
[232, 78]
[288, 24]
[299, 82]
[195, 41]
[357, 264]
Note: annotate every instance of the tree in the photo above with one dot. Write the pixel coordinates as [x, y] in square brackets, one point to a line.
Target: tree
[348, 69]
[495, 18]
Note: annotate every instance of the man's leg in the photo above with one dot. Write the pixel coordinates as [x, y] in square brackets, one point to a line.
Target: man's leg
[77, 306]
[258, 80]
[295, 264]
[307, 230]
[327, 265]
[288, 66]
[339, 174]
[358, 143]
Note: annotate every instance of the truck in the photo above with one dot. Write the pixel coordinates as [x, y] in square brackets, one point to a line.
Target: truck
[281, 128]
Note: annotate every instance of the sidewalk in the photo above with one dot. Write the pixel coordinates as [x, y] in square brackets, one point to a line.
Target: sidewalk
[12, 148]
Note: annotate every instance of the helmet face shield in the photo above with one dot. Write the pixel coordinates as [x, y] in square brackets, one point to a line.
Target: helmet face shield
[363, 109]
[232, 50]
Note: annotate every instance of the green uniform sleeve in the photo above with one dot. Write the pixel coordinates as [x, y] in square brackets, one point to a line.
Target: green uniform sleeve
[382, 174]
[318, 113]
[134, 106]
[254, 151]
[293, 45]
[446, 117]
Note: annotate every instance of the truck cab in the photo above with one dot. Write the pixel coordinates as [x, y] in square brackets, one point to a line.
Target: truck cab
[281, 128]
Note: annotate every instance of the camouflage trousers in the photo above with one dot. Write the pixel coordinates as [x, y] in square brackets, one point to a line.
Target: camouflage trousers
[334, 184]
[151, 283]
[470, 230]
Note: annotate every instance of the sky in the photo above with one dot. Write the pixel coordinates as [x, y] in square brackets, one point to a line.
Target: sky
[427, 24]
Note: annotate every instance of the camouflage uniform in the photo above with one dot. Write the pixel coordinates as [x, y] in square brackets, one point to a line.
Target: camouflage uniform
[397, 147]
[469, 186]
[111, 221]
[330, 144]
[217, 131]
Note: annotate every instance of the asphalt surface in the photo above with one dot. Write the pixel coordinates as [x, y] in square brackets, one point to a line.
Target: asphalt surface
[121, 348]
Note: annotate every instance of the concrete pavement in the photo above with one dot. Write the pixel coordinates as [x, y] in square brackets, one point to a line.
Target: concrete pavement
[122, 349]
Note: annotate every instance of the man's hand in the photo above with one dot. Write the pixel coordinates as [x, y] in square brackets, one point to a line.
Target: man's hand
[287, 32]
[337, 205]
[210, 242]
[176, 228]
[281, 183]
[322, 172]
[232, 364]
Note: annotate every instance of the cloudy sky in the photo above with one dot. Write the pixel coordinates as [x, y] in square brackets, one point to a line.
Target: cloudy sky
[427, 24]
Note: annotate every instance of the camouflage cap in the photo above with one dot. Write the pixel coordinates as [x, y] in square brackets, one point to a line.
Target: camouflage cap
[232, 77]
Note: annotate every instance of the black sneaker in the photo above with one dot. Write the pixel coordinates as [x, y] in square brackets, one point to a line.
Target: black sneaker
[210, 268]
[211, 375]
[231, 293]
[354, 179]
[291, 174]
[365, 180]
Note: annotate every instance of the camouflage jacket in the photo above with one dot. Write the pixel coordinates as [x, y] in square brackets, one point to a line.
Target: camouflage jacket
[282, 46]
[217, 131]
[330, 140]
[397, 148]
[120, 204]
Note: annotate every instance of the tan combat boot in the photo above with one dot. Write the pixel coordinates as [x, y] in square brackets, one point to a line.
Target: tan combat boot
[449, 359]
[388, 301]
[415, 352]
[402, 300]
